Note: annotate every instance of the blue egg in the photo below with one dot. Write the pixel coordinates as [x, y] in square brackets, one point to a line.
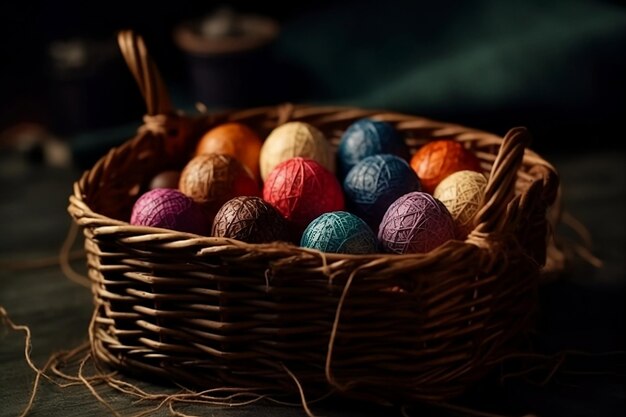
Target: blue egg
[339, 232]
[367, 137]
[374, 183]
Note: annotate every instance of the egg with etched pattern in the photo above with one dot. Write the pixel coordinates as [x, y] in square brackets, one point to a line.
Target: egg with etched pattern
[169, 209]
[339, 232]
[436, 160]
[295, 139]
[233, 139]
[367, 137]
[213, 179]
[462, 193]
[251, 220]
[415, 223]
[376, 182]
[301, 190]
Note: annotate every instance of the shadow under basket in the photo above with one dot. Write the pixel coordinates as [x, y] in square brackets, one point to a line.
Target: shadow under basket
[210, 312]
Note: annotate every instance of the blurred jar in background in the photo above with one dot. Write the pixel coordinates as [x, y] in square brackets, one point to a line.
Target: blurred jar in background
[229, 59]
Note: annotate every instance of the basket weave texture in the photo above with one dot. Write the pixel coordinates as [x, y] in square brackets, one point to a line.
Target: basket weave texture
[214, 312]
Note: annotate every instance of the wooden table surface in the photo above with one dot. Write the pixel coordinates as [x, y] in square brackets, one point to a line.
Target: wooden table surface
[584, 310]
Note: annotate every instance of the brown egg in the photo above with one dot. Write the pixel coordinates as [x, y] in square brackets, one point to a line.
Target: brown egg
[250, 219]
[165, 179]
[213, 179]
[233, 139]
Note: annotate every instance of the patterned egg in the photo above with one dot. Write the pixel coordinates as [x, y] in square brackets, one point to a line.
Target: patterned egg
[213, 179]
[415, 223]
[367, 137]
[169, 209]
[301, 190]
[462, 193]
[436, 160]
[295, 139]
[233, 139]
[339, 232]
[376, 182]
[251, 220]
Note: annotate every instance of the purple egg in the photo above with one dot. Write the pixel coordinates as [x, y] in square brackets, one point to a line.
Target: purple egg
[415, 223]
[169, 209]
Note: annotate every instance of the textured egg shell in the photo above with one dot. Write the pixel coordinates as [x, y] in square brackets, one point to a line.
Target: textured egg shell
[251, 220]
[367, 137]
[436, 160]
[169, 209]
[415, 223]
[462, 193]
[301, 190]
[376, 182]
[295, 139]
[213, 179]
[339, 232]
[233, 139]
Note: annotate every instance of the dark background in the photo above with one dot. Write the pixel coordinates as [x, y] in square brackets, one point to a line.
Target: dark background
[557, 67]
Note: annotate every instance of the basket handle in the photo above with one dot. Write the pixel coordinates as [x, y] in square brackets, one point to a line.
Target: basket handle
[501, 184]
[146, 74]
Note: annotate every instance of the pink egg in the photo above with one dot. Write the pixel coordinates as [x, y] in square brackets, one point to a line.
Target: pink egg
[169, 209]
[415, 223]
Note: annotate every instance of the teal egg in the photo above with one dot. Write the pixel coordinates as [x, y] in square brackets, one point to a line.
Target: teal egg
[339, 232]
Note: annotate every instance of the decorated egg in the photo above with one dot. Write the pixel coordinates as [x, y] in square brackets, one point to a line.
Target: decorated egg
[438, 159]
[367, 137]
[169, 209]
[213, 179]
[251, 220]
[233, 139]
[295, 139]
[339, 232]
[301, 190]
[415, 223]
[165, 179]
[376, 182]
[462, 193]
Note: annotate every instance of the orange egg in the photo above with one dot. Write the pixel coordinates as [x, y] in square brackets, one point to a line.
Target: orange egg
[436, 160]
[236, 140]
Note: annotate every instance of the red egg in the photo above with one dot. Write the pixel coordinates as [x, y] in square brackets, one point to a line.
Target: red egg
[301, 190]
[436, 160]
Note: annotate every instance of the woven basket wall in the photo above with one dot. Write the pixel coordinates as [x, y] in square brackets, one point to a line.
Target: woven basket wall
[213, 312]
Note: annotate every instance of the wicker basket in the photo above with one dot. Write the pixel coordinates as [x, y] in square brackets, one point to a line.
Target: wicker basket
[214, 312]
